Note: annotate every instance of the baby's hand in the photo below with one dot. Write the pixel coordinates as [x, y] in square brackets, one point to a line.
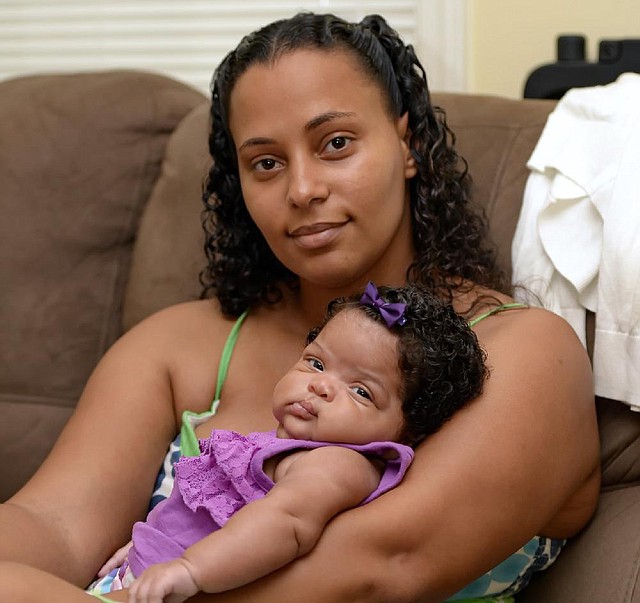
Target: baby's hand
[117, 559]
[169, 582]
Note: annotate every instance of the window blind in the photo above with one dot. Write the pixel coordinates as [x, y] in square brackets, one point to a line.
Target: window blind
[187, 39]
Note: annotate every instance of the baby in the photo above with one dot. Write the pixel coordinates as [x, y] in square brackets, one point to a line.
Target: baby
[385, 369]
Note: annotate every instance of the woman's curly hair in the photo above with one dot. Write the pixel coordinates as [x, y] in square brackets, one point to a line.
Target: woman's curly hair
[449, 238]
[441, 363]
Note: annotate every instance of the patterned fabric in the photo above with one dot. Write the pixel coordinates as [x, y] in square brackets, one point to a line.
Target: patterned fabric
[166, 475]
[514, 573]
[116, 579]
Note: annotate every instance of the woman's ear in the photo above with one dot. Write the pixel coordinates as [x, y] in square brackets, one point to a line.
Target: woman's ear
[410, 169]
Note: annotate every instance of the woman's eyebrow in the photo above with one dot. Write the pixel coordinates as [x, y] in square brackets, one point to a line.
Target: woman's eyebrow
[310, 125]
[254, 142]
[325, 117]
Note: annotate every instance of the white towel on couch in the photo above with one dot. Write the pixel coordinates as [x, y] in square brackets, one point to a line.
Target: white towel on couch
[577, 242]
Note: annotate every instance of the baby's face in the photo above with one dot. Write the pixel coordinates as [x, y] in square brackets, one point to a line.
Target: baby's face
[345, 387]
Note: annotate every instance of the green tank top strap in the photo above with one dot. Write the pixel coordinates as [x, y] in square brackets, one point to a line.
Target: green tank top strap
[496, 310]
[227, 352]
[189, 445]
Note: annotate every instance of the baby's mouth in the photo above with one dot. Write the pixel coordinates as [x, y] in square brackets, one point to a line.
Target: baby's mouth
[303, 408]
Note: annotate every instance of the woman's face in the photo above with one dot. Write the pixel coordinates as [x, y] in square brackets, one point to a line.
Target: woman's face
[323, 168]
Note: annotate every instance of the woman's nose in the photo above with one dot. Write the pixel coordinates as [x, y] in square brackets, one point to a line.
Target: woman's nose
[306, 182]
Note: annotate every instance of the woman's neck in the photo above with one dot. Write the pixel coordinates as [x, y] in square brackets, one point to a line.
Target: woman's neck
[313, 300]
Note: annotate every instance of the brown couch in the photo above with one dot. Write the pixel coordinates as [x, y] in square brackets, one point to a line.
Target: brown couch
[100, 179]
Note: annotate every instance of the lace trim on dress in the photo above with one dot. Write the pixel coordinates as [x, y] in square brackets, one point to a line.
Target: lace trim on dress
[219, 479]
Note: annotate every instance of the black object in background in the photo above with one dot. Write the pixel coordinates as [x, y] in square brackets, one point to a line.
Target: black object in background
[572, 70]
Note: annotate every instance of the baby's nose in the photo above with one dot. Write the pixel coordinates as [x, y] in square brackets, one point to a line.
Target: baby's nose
[322, 387]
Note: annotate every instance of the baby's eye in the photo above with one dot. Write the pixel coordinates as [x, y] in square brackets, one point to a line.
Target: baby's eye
[363, 393]
[315, 364]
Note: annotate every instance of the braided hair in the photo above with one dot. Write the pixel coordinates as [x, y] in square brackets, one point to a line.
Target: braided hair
[449, 238]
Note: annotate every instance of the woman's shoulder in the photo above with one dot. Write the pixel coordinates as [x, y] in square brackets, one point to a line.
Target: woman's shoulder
[527, 343]
[192, 318]
[532, 326]
[537, 356]
[183, 342]
[498, 314]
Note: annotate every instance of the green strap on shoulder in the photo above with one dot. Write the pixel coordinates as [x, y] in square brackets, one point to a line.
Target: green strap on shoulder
[477, 319]
[188, 440]
[227, 351]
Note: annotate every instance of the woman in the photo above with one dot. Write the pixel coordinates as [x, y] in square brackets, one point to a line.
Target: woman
[331, 169]
[384, 370]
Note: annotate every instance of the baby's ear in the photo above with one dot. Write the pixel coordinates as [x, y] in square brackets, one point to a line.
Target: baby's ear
[402, 126]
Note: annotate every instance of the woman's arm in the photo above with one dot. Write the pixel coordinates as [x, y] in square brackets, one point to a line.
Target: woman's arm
[81, 504]
[491, 479]
[270, 532]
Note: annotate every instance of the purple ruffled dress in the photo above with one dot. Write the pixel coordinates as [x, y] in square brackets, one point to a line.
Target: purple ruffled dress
[227, 475]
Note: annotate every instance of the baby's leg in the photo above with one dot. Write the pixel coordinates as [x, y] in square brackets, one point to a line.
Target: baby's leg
[23, 584]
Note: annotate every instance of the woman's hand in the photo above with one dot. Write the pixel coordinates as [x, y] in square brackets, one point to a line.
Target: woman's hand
[169, 582]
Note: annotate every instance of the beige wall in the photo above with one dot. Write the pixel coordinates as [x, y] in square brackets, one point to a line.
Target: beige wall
[509, 38]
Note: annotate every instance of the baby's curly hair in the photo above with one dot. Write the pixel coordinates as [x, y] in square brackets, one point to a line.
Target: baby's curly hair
[452, 253]
[440, 359]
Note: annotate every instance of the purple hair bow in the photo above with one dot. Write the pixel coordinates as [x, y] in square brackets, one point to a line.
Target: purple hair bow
[392, 313]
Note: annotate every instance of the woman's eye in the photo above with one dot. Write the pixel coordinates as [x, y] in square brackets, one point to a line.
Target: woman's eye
[337, 143]
[363, 393]
[265, 165]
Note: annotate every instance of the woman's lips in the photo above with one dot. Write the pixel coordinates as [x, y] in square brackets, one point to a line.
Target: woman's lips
[318, 235]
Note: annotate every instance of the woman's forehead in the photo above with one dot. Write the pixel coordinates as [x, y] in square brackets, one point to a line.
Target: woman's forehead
[300, 59]
[318, 79]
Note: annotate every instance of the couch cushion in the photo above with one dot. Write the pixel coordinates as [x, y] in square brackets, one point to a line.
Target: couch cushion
[602, 563]
[169, 251]
[620, 440]
[78, 158]
[496, 136]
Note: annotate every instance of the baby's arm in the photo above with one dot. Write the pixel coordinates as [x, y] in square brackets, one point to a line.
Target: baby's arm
[272, 531]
